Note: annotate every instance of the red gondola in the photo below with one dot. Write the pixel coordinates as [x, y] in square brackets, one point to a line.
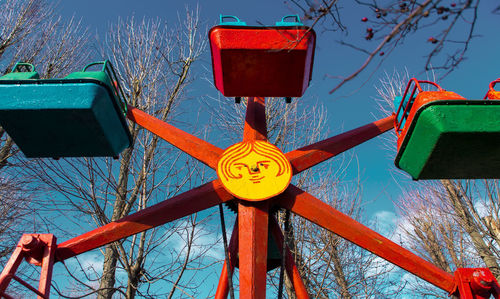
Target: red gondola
[265, 61]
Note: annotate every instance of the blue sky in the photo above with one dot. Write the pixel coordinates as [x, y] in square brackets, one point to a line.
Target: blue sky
[351, 106]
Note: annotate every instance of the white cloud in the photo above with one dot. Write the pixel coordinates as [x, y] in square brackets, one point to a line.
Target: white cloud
[481, 208]
[385, 222]
[206, 243]
[92, 261]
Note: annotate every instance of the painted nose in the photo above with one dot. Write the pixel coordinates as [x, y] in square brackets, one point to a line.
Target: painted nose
[254, 169]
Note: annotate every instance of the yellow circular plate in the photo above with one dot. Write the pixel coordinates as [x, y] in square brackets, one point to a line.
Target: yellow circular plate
[254, 170]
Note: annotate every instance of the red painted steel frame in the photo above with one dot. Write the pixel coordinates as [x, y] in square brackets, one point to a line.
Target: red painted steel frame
[253, 226]
[308, 156]
[320, 213]
[37, 249]
[191, 145]
[476, 283]
[253, 217]
[187, 203]
[249, 239]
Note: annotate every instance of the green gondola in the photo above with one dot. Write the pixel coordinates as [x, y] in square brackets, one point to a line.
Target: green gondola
[448, 137]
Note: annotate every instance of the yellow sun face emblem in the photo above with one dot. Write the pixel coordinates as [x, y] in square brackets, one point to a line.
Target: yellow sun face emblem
[254, 170]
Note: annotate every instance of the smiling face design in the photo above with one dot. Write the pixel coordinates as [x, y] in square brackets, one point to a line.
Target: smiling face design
[254, 170]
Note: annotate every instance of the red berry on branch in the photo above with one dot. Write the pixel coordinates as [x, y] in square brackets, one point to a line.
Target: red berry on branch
[364, 19]
[453, 4]
[369, 30]
[432, 40]
[381, 53]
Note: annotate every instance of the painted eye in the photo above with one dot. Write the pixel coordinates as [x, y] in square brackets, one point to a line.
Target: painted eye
[265, 165]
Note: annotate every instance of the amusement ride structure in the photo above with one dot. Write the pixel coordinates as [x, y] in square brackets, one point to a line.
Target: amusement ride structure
[254, 175]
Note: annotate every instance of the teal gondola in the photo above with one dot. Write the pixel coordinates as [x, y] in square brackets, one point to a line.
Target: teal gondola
[81, 115]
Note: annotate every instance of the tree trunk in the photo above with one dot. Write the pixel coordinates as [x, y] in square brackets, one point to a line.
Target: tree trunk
[339, 273]
[106, 286]
[133, 281]
[6, 152]
[432, 246]
[289, 288]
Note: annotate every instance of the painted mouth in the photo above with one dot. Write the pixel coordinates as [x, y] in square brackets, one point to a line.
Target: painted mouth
[256, 180]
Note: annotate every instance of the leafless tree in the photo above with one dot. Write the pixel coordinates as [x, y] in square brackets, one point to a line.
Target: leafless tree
[14, 206]
[391, 23]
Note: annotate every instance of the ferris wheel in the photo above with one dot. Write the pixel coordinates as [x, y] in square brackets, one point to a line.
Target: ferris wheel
[435, 131]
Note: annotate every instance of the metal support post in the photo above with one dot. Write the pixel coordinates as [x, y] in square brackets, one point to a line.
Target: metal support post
[37, 249]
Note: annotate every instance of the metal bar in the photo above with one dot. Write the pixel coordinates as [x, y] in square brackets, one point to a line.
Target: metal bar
[195, 147]
[229, 270]
[223, 286]
[253, 229]
[316, 211]
[283, 252]
[407, 108]
[187, 203]
[308, 156]
[29, 287]
[255, 120]
[11, 267]
[5, 296]
[47, 264]
[291, 268]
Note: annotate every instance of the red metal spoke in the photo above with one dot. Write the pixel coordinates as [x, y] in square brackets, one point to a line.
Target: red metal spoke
[184, 204]
[48, 259]
[291, 268]
[308, 156]
[253, 230]
[255, 120]
[223, 287]
[318, 212]
[195, 147]
[11, 268]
